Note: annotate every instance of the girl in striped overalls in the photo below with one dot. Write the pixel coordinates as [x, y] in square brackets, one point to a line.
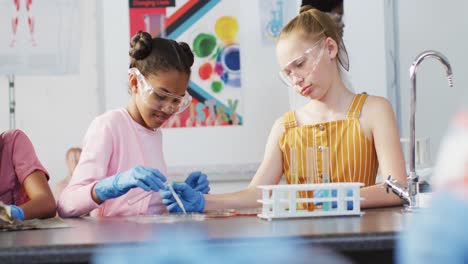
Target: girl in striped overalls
[359, 131]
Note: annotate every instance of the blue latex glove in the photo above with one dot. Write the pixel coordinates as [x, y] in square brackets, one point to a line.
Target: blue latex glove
[139, 176]
[17, 212]
[198, 181]
[321, 193]
[192, 200]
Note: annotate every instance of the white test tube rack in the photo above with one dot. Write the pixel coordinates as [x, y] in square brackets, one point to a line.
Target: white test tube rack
[281, 201]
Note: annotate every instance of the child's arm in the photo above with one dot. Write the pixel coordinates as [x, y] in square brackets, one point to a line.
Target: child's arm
[33, 177]
[76, 199]
[269, 172]
[380, 117]
[42, 202]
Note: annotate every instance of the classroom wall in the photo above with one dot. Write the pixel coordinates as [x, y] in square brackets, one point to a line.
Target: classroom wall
[64, 106]
[440, 26]
[264, 99]
[264, 96]
[366, 45]
[55, 111]
[113, 45]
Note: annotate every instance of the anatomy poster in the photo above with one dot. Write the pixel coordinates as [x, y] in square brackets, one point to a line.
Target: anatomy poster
[39, 37]
[211, 28]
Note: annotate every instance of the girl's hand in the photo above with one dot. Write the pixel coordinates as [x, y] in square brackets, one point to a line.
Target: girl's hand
[144, 177]
[198, 181]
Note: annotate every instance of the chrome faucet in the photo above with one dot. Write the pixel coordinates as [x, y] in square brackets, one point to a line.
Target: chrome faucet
[410, 192]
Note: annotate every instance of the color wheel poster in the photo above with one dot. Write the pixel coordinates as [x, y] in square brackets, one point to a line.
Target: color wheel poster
[211, 28]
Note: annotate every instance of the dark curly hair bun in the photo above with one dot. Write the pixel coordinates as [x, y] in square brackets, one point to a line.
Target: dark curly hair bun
[140, 45]
[188, 54]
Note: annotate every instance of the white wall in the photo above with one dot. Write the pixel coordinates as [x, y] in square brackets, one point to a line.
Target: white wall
[113, 46]
[441, 26]
[364, 36]
[55, 111]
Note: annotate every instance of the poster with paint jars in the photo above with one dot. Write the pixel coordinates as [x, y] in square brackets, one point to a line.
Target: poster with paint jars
[211, 28]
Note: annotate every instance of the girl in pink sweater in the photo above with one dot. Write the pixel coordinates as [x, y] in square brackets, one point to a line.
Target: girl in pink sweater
[122, 151]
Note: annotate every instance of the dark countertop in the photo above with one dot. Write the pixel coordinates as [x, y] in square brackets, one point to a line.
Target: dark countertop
[375, 230]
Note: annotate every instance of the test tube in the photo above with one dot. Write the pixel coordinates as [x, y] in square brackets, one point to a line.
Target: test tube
[294, 178]
[310, 173]
[325, 164]
[310, 165]
[325, 174]
[293, 166]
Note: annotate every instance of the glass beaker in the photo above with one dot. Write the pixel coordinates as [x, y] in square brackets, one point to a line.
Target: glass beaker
[422, 151]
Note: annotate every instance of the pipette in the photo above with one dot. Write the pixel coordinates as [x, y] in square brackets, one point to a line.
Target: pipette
[145, 194]
[176, 197]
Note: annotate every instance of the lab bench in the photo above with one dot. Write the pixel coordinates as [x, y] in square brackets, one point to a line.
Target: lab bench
[363, 239]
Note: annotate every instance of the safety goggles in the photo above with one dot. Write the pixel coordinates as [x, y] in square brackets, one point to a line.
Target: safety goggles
[158, 99]
[302, 66]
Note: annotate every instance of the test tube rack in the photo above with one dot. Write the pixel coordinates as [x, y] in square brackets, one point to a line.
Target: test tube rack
[281, 201]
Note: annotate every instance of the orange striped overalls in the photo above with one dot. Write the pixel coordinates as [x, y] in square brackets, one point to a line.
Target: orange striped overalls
[352, 156]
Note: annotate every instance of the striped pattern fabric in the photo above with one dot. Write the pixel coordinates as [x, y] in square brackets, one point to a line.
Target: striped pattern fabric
[351, 155]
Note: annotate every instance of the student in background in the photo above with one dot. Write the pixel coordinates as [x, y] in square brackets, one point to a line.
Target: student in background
[72, 157]
[122, 155]
[360, 131]
[438, 234]
[23, 179]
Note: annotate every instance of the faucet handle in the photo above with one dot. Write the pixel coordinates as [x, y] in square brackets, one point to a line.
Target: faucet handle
[401, 191]
[389, 179]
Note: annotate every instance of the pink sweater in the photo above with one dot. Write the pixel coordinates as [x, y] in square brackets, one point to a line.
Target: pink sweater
[113, 143]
